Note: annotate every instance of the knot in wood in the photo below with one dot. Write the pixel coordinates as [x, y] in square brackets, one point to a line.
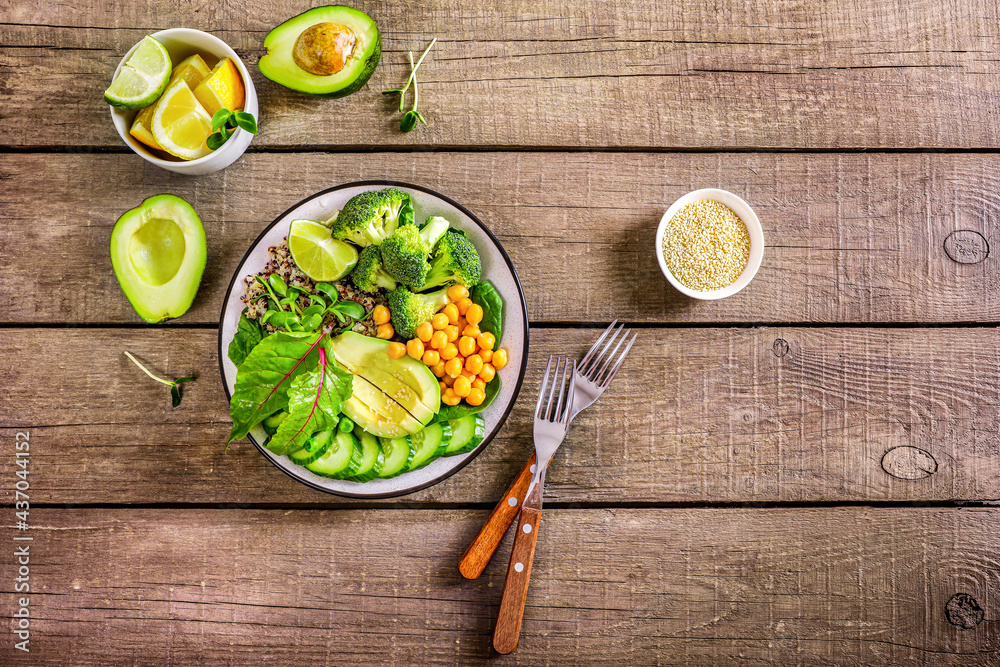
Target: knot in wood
[963, 611]
[780, 347]
[909, 463]
[966, 246]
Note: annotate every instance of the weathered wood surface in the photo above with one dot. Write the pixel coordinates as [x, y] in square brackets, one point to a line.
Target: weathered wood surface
[636, 73]
[851, 238]
[696, 415]
[849, 586]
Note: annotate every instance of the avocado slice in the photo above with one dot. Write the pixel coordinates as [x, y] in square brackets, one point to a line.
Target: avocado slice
[407, 381]
[158, 254]
[377, 413]
[330, 51]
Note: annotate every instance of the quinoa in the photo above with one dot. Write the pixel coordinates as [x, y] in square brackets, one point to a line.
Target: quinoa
[282, 264]
[706, 245]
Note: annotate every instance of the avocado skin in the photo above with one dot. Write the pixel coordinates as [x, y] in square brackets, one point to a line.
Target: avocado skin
[158, 303]
[360, 79]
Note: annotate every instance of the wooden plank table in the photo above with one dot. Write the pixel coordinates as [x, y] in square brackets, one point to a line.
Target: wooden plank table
[805, 473]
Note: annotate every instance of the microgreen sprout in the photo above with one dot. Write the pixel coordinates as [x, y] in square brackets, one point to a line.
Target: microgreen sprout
[410, 118]
[175, 385]
[284, 311]
[225, 122]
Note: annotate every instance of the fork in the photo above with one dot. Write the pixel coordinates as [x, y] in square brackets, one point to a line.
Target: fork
[592, 378]
[552, 415]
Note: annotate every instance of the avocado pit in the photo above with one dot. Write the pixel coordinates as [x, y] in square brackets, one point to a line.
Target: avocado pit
[324, 48]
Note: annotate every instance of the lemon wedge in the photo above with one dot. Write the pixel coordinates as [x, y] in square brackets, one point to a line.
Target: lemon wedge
[193, 71]
[180, 123]
[222, 89]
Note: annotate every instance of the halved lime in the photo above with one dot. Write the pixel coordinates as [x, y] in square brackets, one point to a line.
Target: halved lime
[142, 78]
[317, 253]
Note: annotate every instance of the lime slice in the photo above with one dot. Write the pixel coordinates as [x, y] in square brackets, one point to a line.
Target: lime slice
[317, 253]
[142, 78]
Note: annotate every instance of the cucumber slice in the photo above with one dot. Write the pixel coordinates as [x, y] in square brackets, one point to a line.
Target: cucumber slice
[429, 443]
[372, 458]
[397, 452]
[341, 459]
[315, 447]
[272, 422]
[466, 434]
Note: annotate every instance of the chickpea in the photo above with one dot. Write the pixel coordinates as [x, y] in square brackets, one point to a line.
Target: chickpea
[488, 373]
[396, 350]
[449, 397]
[380, 315]
[415, 348]
[431, 358]
[486, 340]
[443, 386]
[451, 310]
[424, 331]
[475, 397]
[478, 383]
[474, 315]
[438, 369]
[463, 305]
[385, 331]
[467, 345]
[499, 358]
[439, 340]
[452, 331]
[471, 330]
[448, 380]
[453, 367]
[487, 355]
[456, 292]
[439, 321]
[474, 364]
[462, 386]
[449, 352]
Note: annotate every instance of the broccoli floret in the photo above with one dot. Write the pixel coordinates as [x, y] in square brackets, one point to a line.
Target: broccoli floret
[368, 218]
[369, 275]
[455, 260]
[404, 256]
[409, 310]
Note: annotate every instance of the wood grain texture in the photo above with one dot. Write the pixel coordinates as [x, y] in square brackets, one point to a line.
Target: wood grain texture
[635, 73]
[704, 587]
[695, 415]
[850, 238]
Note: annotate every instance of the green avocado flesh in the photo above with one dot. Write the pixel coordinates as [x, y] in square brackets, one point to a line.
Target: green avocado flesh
[281, 63]
[158, 254]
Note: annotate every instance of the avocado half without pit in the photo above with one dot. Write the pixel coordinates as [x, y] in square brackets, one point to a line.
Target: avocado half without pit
[329, 51]
[158, 254]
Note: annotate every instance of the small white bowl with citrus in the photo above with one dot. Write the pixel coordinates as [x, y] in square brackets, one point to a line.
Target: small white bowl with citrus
[169, 122]
[709, 244]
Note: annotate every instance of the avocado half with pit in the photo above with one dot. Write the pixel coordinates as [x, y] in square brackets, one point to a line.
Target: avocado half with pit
[158, 254]
[328, 51]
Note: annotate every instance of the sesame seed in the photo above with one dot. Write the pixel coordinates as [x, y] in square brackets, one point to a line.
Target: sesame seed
[706, 245]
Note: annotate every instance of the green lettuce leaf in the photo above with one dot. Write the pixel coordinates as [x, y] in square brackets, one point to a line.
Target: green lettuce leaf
[264, 377]
[492, 304]
[248, 334]
[449, 412]
[315, 399]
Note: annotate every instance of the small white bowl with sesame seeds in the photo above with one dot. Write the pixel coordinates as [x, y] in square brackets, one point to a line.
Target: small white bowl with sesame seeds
[754, 256]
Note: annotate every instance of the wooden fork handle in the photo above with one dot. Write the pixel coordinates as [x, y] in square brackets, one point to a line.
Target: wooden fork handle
[482, 547]
[515, 588]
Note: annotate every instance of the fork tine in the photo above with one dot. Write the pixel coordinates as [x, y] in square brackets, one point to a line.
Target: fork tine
[541, 388]
[586, 372]
[570, 393]
[618, 364]
[609, 359]
[562, 393]
[593, 348]
[552, 390]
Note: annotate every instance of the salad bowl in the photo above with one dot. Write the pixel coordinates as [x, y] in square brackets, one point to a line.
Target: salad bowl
[497, 268]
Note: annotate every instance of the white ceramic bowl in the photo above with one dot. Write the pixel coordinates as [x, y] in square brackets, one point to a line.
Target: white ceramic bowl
[749, 218]
[497, 268]
[181, 43]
